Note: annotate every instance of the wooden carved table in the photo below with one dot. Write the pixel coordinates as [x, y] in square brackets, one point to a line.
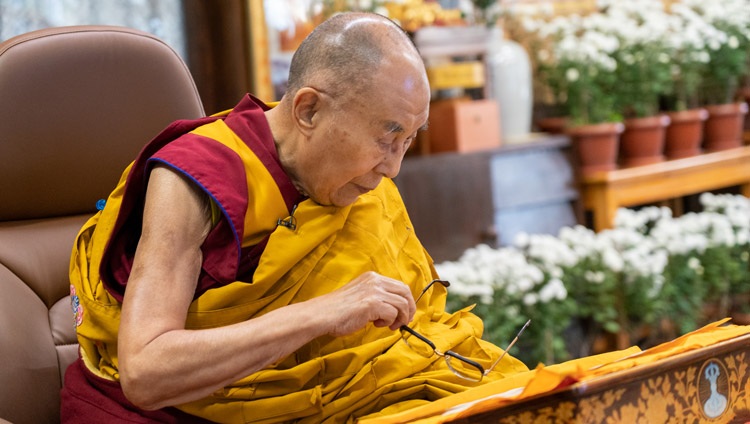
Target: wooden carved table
[605, 192]
[709, 385]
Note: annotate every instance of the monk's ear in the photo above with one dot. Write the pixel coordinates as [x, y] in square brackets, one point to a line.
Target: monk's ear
[306, 108]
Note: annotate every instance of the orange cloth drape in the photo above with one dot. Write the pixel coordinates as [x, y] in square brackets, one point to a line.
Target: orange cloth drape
[545, 379]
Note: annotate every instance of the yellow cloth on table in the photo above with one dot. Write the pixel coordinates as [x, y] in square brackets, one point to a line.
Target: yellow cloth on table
[545, 379]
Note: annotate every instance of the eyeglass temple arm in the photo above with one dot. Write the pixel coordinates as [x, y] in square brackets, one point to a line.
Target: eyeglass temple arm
[419, 336]
[508, 348]
[444, 283]
[474, 364]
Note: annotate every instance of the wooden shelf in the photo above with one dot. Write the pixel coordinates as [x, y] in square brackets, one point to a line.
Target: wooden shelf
[605, 192]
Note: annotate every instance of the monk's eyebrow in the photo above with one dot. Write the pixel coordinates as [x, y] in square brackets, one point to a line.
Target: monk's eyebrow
[394, 127]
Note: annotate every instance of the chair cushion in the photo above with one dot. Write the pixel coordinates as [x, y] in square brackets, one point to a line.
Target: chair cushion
[78, 103]
[37, 332]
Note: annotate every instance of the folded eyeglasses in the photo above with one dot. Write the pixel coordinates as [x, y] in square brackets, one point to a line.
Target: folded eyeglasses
[460, 365]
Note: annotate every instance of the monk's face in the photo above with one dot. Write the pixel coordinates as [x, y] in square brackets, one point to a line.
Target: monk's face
[363, 138]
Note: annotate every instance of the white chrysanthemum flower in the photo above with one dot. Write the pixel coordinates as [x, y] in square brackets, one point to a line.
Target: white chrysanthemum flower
[553, 290]
[733, 42]
[572, 74]
[521, 240]
[655, 289]
[596, 277]
[556, 272]
[612, 259]
[693, 263]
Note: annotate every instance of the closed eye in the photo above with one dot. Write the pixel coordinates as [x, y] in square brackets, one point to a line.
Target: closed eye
[384, 144]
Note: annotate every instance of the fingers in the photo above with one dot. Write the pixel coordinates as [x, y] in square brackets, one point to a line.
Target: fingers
[393, 316]
[398, 307]
[372, 297]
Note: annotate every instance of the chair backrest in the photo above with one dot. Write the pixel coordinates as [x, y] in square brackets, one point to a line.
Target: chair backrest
[76, 106]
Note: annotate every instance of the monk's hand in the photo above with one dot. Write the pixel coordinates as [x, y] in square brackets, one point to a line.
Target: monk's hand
[370, 297]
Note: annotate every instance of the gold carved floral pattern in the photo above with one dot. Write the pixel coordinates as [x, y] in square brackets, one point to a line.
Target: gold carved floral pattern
[716, 390]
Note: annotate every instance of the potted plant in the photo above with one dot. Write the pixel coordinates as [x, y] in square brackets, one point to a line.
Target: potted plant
[578, 67]
[728, 39]
[689, 57]
[708, 261]
[616, 282]
[643, 76]
[650, 279]
[506, 289]
[727, 263]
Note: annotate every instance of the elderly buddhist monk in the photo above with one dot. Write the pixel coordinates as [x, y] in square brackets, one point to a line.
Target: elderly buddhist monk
[259, 265]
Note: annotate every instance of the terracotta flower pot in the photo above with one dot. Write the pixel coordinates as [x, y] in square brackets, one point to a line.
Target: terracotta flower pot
[552, 124]
[596, 146]
[642, 141]
[684, 134]
[724, 126]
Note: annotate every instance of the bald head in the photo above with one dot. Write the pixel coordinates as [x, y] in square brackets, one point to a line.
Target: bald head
[358, 93]
[342, 53]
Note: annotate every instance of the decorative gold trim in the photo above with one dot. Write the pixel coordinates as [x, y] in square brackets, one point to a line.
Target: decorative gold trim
[713, 389]
[676, 396]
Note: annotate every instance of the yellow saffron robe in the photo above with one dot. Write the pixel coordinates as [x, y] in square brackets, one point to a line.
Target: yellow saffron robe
[330, 379]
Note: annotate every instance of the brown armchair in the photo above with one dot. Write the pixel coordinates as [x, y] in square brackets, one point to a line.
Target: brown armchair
[76, 105]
